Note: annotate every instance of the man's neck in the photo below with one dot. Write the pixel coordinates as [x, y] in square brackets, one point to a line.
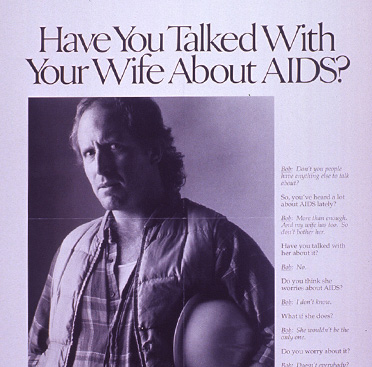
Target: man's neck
[128, 231]
[134, 219]
[131, 224]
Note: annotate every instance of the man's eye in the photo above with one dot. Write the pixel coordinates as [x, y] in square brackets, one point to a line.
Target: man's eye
[89, 153]
[115, 147]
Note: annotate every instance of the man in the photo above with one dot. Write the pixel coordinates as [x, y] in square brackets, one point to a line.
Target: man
[118, 284]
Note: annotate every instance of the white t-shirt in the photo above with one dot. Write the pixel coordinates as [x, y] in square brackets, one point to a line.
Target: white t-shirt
[124, 272]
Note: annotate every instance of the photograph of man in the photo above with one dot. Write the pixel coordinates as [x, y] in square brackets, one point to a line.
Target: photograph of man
[118, 284]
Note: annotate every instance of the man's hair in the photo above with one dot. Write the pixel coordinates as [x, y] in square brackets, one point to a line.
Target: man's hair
[143, 120]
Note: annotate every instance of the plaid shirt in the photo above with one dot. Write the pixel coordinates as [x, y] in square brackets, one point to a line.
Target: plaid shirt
[104, 333]
[105, 328]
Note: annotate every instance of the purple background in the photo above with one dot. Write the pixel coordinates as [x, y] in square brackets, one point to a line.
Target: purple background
[228, 143]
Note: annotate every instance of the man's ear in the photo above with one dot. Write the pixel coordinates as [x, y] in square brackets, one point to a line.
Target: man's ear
[155, 154]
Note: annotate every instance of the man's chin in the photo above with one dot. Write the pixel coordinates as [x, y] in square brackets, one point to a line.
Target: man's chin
[112, 203]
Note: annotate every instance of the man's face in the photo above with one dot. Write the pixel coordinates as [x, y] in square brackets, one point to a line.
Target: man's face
[118, 168]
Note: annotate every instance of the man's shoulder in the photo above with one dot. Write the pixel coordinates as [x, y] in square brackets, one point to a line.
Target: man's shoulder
[205, 217]
[202, 218]
[87, 231]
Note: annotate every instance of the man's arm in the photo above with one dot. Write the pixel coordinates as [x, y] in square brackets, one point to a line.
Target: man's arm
[248, 277]
[39, 332]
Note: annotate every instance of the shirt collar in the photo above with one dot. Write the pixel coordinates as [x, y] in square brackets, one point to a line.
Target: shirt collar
[106, 223]
[170, 208]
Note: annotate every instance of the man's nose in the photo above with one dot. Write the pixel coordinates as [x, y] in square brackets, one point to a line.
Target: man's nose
[104, 162]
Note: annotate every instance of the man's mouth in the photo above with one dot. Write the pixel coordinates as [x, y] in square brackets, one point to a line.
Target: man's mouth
[107, 185]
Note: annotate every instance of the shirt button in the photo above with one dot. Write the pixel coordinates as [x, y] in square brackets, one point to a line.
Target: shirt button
[110, 260]
[112, 294]
[142, 328]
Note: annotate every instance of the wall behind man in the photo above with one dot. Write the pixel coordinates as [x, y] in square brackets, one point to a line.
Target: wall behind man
[228, 143]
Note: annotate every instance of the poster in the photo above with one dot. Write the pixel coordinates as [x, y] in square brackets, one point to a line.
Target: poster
[311, 60]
